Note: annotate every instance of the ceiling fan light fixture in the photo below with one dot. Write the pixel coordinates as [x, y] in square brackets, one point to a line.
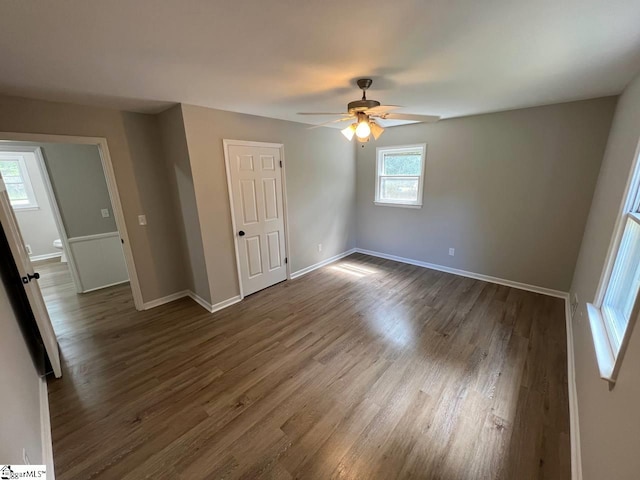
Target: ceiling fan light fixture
[364, 111]
[349, 132]
[363, 130]
[376, 130]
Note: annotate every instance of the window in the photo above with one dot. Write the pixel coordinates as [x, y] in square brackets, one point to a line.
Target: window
[400, 175]
[617, 303]
[14, 173]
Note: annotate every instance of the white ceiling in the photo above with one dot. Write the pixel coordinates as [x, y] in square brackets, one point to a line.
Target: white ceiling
[278, 57]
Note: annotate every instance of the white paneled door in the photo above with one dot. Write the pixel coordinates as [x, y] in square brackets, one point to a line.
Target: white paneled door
[255, 174]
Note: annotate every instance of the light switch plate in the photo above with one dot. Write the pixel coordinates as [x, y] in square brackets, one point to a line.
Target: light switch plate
[142, 219]
[105, 212]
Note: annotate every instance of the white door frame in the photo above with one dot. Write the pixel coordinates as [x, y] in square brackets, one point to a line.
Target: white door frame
[114, 196]
[244, 143]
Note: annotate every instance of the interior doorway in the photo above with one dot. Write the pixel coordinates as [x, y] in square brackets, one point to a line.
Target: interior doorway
[65, 224]
[61, 202]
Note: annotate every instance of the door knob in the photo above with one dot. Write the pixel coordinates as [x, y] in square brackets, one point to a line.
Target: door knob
[30, 277]
[241, 233]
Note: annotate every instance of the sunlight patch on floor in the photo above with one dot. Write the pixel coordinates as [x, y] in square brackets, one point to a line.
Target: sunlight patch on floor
[355, 270]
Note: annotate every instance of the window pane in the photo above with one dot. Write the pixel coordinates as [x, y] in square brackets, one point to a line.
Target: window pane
[12, 179]
[16, 191]
[9, 168]
[625, 280]
[399, 189]
[408, 164]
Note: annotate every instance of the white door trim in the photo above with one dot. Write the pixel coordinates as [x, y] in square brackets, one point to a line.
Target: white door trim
[244, 143]
[112, 187]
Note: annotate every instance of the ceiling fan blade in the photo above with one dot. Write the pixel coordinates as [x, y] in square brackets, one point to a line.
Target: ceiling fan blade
[330, 122]
[320, 113]
[382, 109]
[410, 117]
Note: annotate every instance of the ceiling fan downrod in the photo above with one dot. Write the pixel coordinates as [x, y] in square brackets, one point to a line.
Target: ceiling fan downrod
[364, 84]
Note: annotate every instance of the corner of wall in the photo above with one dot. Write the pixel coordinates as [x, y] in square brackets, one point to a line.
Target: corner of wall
[601, 448]
[177, 161]
[574, 418]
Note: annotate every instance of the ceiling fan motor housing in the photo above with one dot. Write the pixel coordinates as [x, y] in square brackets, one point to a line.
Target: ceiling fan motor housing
[362, 105]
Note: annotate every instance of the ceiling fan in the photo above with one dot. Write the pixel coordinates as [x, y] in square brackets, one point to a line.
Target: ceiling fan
[367, 113]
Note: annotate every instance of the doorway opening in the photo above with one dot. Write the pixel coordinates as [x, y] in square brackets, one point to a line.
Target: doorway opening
[68, 223]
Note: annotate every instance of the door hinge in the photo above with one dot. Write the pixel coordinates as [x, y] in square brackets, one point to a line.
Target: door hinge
[280, 163]
[286, 260]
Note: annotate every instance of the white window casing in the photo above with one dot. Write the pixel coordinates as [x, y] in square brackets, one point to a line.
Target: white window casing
[616, 306]
[400, 175]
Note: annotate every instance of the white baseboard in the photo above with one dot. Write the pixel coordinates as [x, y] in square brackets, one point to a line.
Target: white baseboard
[195, 297]
[106, 286]
[46, 256]
[225, 303]
[464, 273]
[199, 300]
[161, 301]
[45, 430]
[315, 266]
[574, 420]
[213, 308]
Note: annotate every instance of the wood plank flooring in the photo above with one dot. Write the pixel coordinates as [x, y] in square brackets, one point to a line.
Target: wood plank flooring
[364, 369]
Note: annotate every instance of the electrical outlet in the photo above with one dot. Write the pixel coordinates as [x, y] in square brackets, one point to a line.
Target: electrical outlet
[28, 248]
[452, 251]
[319, 247]
[105, 213]
[142, 219]
[25, 457]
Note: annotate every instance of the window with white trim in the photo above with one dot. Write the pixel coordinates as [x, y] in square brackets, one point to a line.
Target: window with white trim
[400, 175]
[16, 178]
[617, 304]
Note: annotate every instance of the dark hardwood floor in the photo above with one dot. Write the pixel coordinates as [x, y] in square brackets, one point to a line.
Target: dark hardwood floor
[366, 369]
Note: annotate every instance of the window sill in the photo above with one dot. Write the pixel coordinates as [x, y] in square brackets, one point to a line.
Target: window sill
[401, 205]
[25, 208]
[604, 353]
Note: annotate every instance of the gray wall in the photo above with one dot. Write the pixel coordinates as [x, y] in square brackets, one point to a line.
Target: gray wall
[609, 420]
[38, 226]
[176, 154]
[509, 191]
[80, 188]
[20, 399]
[320, 177]
[136, 153]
